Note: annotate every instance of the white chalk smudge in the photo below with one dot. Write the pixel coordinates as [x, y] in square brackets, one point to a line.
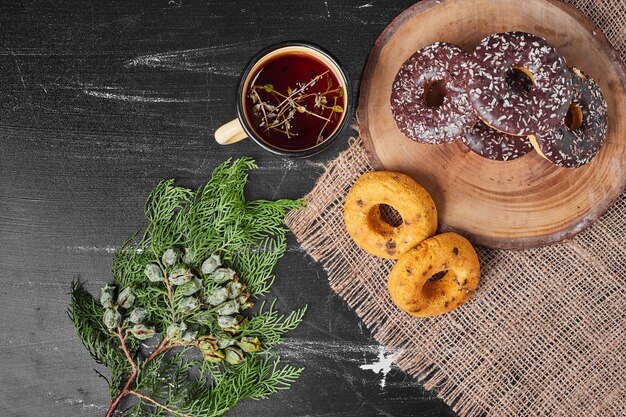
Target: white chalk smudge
[36, 346]
[363, 6]
[76, 402]
[141, 96]
[194, 60]
[296, 248]
[335, 350]
[290, 164]
[382, 366]
[141, 99]
[327, 9]
[82, 248]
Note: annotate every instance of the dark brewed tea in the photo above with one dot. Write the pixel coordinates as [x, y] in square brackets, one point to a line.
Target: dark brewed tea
[294, 101]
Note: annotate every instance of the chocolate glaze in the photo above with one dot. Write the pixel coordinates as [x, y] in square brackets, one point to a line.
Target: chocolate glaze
[506, 108]
[437, 62]
[492, 144]
[571, 149]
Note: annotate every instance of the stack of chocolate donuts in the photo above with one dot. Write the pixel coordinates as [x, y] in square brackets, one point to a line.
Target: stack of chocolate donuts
[514, 93]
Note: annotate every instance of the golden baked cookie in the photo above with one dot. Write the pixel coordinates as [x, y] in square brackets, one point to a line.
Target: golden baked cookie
[408, 198]
[410, 283]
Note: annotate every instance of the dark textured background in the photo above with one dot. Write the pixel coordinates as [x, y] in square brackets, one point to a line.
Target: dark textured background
[98, 102]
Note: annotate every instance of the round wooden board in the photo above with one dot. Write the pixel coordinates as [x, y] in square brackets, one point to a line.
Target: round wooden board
[518, 204]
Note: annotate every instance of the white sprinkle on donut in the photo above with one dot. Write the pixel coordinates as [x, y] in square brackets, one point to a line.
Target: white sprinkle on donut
[418, 121]
[512, 110]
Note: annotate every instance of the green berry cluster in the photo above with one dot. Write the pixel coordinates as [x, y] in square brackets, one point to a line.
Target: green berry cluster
[210, 290]
[117, 312]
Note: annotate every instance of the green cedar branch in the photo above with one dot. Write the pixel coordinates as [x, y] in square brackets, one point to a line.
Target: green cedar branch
[248, 236]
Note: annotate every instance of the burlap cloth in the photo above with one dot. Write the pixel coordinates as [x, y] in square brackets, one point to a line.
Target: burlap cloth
[544, 334]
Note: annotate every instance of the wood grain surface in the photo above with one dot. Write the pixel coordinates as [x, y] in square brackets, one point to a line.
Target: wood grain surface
[515, 204]
[99, 100]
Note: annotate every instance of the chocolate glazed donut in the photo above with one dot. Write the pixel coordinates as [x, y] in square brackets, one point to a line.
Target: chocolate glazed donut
[437, 64]
[495, 145]
[501, 96]
[577, 139]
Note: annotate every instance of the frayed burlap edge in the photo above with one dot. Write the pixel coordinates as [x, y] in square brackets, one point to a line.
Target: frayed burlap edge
[608, 15]
[543, 335]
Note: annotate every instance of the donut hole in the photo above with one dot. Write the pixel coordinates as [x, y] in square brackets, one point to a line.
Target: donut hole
[435, 92]
[520, 80]
[390, 215]
[433, 286]
[574, 117]
[384, 219]
[437, 276]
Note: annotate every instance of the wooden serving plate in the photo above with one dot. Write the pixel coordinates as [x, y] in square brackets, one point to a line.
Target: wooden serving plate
[518, 204]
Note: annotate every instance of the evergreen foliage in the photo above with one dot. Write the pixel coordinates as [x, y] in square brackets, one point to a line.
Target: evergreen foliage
[188, 285]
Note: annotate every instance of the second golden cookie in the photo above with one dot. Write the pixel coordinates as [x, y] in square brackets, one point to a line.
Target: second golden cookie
[408, 198]
[413, 282]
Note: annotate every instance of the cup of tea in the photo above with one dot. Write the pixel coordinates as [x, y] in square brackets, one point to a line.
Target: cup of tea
[293, 99]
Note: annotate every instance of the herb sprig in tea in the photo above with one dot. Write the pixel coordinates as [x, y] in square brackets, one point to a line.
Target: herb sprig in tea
[274, 110]
[188, 286]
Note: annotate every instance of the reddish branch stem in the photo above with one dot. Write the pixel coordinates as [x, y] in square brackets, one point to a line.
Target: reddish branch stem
[158, 404]
[169, 291]
[170, 297]
[122, 338]
[163, 346]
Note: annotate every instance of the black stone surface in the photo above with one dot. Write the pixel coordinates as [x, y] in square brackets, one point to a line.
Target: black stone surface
[99, 100]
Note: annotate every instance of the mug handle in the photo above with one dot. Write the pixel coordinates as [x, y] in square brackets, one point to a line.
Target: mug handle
[230, 132]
